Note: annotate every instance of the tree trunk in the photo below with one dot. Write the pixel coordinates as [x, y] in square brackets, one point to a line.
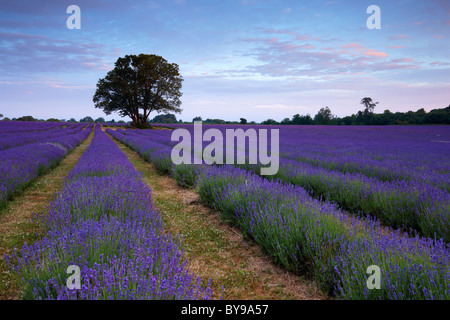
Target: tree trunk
[134, 119]
[146, 114]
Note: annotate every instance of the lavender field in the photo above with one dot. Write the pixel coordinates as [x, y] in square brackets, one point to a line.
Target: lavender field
[28, 150]
[344, 198]
[104, 222]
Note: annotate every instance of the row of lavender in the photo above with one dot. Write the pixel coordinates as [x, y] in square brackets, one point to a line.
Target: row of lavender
[28, 126]
[304, 234]
[104, 223]
[21, 165]
[386, 153]
[13, 139]
[414, 204]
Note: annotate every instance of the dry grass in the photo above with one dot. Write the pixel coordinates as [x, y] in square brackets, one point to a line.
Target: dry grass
[16, 226]
[216, 250]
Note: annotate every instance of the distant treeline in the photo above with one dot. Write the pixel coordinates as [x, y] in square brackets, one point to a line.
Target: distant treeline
[420, 117]
[85, 119]
[323, 117]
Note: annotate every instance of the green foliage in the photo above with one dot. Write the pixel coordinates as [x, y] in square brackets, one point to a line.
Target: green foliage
[269, 121]
[367, 117]
[164, 118]
[215, 121]
[26, 118]
[369, 105]
[87, 119]
[302, 120]
[185, 174]
[324, 116]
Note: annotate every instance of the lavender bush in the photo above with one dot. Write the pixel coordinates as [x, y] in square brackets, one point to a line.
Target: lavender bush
[307, 235]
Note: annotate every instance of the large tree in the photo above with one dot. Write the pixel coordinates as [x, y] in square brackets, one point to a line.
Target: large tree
[369, 105]
[139, 85]
[366, 116]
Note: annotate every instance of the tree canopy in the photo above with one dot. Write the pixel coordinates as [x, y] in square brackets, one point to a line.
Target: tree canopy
[164, 118]
[369, 105]
[269, 121]
[324, 116]
[87, 119]
[26, 118]
[138, 85]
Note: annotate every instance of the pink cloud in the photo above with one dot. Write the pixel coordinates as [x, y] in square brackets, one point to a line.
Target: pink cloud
[392, 66]
[403, 60]
[353, 46]
[439, 63]
[375, 53]
[288, 59]
[105, 66]
[396, 47]
[97, 66]
[288, 46]
[302, 37]
[306, 46]
[438, 36]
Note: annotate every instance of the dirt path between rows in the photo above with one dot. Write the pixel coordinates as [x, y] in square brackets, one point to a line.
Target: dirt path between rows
[16, 225]
[216, 250]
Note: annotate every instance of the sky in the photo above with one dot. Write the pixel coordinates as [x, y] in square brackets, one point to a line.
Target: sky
[253, 59]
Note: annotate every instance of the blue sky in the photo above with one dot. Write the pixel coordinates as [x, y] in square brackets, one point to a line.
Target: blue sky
[239, 58]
